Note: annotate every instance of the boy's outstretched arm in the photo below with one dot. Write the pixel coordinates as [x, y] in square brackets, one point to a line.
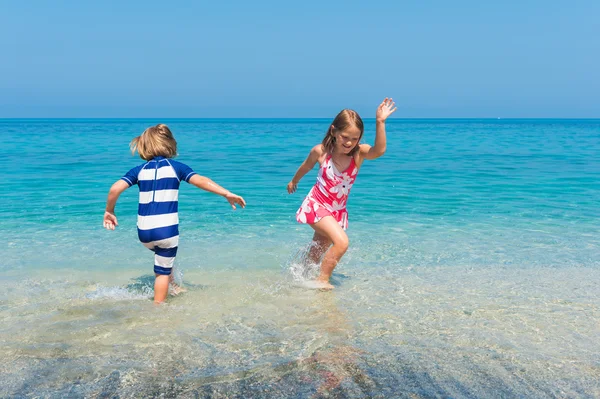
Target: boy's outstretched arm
[110, 220]
[207, 184]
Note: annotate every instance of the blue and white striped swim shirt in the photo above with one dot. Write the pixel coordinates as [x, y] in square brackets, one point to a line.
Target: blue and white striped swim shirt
[158, 220]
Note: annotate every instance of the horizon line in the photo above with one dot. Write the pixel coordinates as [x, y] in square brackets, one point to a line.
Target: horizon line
[294, 118]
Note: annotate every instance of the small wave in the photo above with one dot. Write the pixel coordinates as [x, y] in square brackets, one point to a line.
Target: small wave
[120, 293]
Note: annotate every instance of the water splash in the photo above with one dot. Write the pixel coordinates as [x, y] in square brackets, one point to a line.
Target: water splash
[300, 268]
[120, 293]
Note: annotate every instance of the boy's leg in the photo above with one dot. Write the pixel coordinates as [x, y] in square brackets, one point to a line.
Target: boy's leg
[161, 288]
[164, 259]
[176, 289]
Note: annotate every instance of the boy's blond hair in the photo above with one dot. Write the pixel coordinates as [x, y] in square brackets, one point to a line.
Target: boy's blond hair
[155, 141]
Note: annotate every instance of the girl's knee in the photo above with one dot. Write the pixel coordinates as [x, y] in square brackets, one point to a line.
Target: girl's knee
[342, 243]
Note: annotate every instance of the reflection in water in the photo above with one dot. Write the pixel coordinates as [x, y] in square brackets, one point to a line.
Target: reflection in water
[335, 360]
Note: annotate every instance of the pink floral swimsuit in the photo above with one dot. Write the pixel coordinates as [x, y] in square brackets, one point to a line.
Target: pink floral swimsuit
[329, 195]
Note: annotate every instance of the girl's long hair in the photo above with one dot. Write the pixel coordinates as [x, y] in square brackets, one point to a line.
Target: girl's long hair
[345, 119]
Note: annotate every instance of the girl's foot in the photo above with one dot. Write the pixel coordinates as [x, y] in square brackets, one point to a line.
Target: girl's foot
[315, 285]
[323, 285]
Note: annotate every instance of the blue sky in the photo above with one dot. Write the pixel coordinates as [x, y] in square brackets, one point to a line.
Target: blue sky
[301, 59]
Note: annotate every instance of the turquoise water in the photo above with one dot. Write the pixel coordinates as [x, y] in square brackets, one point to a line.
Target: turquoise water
[473, 268]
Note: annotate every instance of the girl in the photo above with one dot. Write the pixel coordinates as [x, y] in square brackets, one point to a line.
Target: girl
[340, 156]
[158, 180]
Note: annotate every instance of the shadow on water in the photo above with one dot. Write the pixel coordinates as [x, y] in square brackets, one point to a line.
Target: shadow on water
[142, 285]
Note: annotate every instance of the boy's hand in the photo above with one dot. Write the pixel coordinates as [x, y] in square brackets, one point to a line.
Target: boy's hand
[291, 187]
[385, 109]
[110, 221]
[235, 199]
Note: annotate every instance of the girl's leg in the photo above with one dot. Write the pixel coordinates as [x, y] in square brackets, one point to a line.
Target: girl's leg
[329, 228]
[317, 248]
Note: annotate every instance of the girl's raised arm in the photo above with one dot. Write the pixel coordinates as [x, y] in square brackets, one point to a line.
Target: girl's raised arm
[385, 109]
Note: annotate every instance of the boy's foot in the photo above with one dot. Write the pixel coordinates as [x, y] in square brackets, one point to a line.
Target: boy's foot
[176, 290]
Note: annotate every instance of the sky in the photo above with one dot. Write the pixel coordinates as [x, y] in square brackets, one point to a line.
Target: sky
[268, 59]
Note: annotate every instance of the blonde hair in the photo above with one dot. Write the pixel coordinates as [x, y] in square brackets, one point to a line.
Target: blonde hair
[345, 119]
[155, 141]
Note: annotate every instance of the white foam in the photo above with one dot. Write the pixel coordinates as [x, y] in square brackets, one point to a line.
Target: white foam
[299, 268]
[311, 285]
[120, 293]
[303, 272]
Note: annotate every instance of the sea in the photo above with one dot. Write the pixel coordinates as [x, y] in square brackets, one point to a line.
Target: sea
[473, 269]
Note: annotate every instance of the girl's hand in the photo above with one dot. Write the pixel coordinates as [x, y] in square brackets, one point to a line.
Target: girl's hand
[385, 109]
[110, 221]
[291, 187]
[235, 199]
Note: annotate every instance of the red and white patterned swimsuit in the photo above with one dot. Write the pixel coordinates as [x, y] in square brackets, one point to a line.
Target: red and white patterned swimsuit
[329, 195]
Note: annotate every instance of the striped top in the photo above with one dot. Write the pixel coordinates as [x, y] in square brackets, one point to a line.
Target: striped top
[158, 181]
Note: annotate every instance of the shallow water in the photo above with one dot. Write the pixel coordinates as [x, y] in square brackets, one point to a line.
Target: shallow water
[473, 268]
